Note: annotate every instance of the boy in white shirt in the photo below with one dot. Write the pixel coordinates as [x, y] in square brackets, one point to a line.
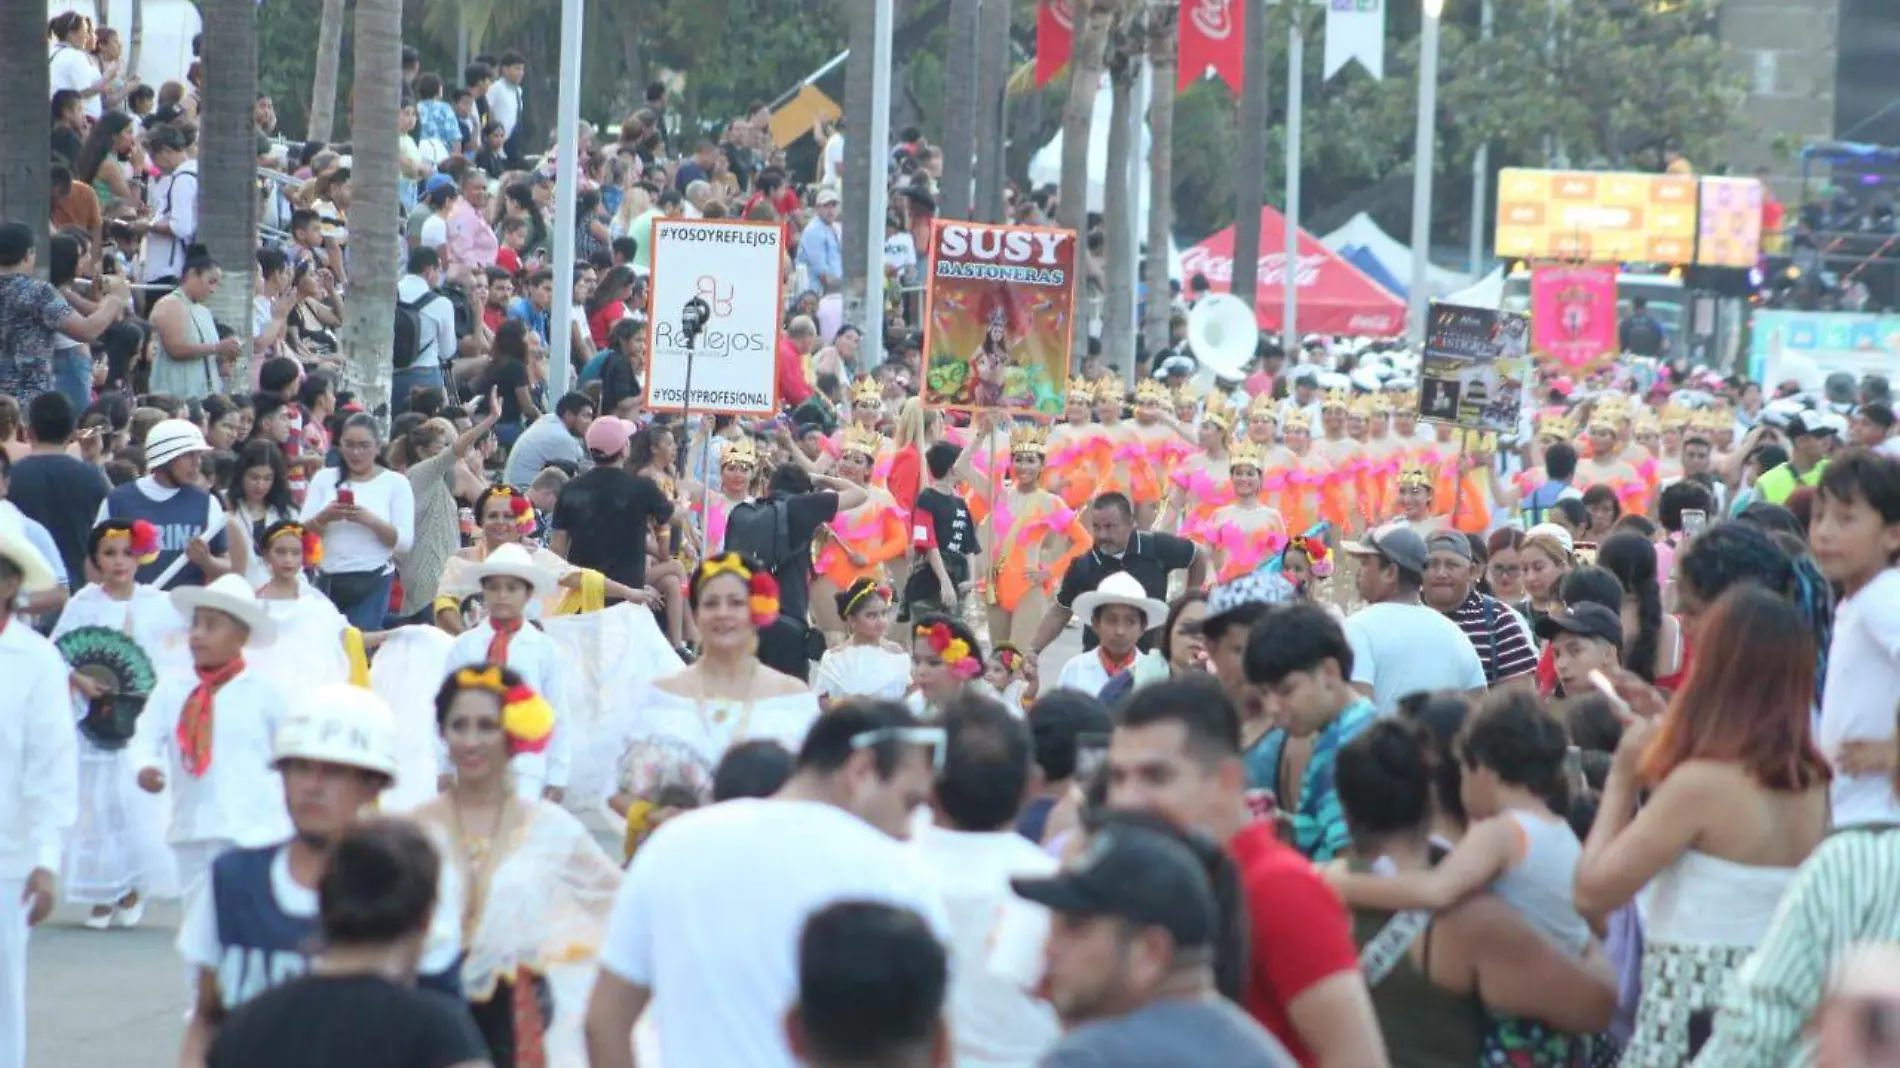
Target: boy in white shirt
[510, 581]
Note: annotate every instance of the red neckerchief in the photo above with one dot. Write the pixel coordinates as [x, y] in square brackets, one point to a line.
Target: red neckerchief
[1113, 668]
[498, 645]
[195, 722]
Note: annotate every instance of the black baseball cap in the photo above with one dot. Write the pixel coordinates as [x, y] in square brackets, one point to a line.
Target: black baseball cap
[1588, 620]
[1137, 874]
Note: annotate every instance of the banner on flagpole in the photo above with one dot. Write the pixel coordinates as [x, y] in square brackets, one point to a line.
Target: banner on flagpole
[1000, 309]
[1055, 27]
[1213, 34]
[1573, 314]
[1355, 29]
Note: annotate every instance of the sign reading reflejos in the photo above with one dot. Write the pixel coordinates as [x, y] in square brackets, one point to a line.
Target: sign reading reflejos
[734, 268]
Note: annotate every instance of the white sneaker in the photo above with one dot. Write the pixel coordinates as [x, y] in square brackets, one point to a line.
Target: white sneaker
[129, 917]
[99, 921]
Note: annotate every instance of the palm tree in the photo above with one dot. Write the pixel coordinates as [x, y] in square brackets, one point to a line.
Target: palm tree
[992, 106]
[1163, 57]
[25, 124]
[375, 214]
[960, 107]
[1125, 45]
[1086, 57]
[323, 87]
[227, 159]
[1250, 176]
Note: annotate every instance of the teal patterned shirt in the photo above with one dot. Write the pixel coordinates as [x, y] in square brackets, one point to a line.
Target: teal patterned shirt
[1319, 823]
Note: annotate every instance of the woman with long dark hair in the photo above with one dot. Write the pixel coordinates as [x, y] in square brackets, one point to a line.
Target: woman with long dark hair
[1736, 799]
[607, 305]
[1653, 645]
[114, 138]
[509, 374]
[260, 499]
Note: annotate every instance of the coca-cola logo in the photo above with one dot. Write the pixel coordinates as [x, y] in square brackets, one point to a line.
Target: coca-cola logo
[1271, 268]
[1064, 13]
[1213, 18]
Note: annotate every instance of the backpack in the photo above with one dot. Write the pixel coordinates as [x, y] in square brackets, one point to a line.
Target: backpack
[464, 312]
[762, 531]
[409, 328]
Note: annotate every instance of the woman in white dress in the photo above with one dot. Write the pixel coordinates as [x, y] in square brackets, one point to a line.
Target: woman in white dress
[505, 517]
[1738, 797]
[686, 721]
[867, 664]
[539, 888]
[313, 638]
[116, 854]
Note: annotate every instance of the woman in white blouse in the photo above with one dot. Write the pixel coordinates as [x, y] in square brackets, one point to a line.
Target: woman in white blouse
[366, 515]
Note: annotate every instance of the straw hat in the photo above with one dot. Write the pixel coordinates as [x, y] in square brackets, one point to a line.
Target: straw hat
[36, 575]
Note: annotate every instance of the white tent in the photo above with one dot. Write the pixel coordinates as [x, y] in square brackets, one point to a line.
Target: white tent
[1487, 292]
[1045, 167]
[1396, 257]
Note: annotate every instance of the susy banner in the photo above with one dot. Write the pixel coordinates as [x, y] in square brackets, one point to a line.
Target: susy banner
[1000, 312]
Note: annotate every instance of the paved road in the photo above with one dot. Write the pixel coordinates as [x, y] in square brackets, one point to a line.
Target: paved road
[116, 999]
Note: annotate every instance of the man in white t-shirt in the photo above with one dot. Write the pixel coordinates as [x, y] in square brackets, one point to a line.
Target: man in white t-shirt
[972, 850]
[1856, 535]
[1400, 645]
[706, 925]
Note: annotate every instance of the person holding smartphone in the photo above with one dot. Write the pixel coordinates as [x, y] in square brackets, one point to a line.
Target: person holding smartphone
[366, 516]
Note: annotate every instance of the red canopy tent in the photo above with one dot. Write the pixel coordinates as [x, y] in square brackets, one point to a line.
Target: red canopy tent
[1335, 296]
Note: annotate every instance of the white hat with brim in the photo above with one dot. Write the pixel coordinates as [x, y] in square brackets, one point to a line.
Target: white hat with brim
[36, 575]
[169, 439]
[512, 561]
[232, 596]
[1122, 588]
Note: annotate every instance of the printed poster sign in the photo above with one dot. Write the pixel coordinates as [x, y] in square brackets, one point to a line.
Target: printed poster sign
[1000, 309]
[1729, 223]
[734, 268]
[1476, 363]
[1596, 216]
[1573, 314]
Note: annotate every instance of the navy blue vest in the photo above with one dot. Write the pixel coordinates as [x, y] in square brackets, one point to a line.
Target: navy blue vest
[178, 521]
[260, 946]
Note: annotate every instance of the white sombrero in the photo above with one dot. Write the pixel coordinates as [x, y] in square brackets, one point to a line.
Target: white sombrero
[1122, 588]
[232, 596]
[36, 575]
[512, 561]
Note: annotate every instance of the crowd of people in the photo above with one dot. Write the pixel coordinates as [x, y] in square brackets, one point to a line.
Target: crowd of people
[1388, 743]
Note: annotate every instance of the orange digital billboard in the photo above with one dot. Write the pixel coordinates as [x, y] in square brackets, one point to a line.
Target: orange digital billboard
[1596, 216]
[1730, 226]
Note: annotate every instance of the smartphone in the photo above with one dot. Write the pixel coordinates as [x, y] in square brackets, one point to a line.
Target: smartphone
[1694, 521]
[346, 495]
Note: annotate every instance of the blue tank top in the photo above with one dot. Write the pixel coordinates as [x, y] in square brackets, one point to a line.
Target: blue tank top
[261, 947]
[178, 520]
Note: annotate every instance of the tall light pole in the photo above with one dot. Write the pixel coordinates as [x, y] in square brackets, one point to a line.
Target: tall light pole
[877, 127]
[566, 191]
[1480, 164]
[1295, 121]
[1417, 299]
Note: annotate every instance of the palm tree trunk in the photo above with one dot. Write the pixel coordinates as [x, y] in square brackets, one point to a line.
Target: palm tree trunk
[1118, 268]
[135, 37]
[992, 106]
[323, 87]
[858, 162]
[1250, 175]
[1163, 56]
[227, 161]
[960, 107]
[25, 124]
[375, 214]
[1086, 57]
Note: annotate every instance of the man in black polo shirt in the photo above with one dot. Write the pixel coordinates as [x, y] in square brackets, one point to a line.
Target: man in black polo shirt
[1150, 557]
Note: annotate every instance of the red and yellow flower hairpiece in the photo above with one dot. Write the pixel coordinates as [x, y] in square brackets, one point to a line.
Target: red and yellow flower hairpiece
[526, 717]
[141, 540]
[761, 588]
[1316, 552]
[311, 540]
[956, 653]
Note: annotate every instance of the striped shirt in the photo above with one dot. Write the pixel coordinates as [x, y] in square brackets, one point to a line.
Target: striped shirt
[1498, 635]
[1845, 895]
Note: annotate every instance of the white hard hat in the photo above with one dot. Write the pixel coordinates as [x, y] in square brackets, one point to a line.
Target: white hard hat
[340, 724]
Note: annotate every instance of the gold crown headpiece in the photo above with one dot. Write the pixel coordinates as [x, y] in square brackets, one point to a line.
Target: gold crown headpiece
[742, 452]
[1184, 395]
[1218, 410]
[1081, 392]
[1559, 427]
[1647, 423]
[1415, 478]
[1362, 406]
[861, 441]
[1337, 400]
[1613, 405]
[1262, 407]
[1110, 389]
[1295, 418]
[1150, 390]
[1028, 438]
[1405, 401]
[1244, 453]
[866, 390]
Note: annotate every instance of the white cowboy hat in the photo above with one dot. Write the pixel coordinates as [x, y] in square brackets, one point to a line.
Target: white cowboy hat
[512, 561]
[1122, 588]
[36, 575]
[232, 596]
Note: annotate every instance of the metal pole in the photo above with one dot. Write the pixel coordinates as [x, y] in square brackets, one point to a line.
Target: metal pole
[1295, 121]
[461, 43]
[566, 190]
[1137, 174]
[1418, 300]
[1480, 167]
[878, 128]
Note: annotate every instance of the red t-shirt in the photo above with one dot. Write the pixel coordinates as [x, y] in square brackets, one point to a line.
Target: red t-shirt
[601, 323]
[1300, 930]
[507, 260]
[793, 390]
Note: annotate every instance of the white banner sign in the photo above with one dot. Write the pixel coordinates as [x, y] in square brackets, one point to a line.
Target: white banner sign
[734, 268]
[1355, 29]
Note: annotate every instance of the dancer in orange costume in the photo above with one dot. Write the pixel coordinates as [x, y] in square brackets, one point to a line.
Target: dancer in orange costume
[867, 414]
[1186, 404]
[1245, 533]
[1034, 536]
[1160, 444]
[857, 543]
[1605, 466]
[1200, 484]
[1338, 496]
[1417, 491]
[1072, 473]
[1117, 451]
[1305, 472]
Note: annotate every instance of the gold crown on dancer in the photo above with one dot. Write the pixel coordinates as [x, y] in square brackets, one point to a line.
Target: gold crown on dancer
[1337, 400]
[1150, 390]
[1365, 406]
[1262, 407]
[1405, 400]
[1295, 419]
[1110, 389]
[859, 440]
[1184, 395]
[741, 452]
[1028, 439]
[1244, 453]
[1414, 478]
[867, 391]
[1081, 392]
[1218, 410]
[1559, 427]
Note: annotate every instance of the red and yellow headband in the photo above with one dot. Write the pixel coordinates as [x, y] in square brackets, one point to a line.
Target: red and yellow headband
[142, 540]
[526, 717]
[762, 598]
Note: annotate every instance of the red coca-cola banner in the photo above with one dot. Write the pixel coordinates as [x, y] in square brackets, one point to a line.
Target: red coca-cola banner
[1212, 36]
[1055, 25]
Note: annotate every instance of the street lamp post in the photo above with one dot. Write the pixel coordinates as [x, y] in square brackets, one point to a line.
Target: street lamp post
[877, 188]
[1480, 165]
[566, 189]
[1295, 108]
[1418, 300]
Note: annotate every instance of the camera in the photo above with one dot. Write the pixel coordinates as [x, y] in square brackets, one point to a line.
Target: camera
[694, 315]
